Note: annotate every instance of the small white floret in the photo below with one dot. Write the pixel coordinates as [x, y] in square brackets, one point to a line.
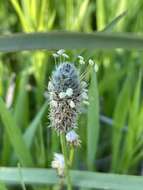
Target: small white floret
[58, 163]
[86, 103]
[62, 95]
[96, 68]
[84, 96]
[61, 51]
[10, 95]
[50, 86]
[85, 90]
[80, 57]
[91, 62]
[82, 62]
[55, 55]
[65, 55]
[54, 103]
[71, 136]
[83, 84]
[69, 92]
[72, 104]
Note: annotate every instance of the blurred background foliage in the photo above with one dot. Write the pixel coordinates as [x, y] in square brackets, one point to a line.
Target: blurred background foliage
[112, 129]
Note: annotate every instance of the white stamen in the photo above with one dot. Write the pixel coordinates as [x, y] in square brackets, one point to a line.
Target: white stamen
[55, 55]
[50, 86]
[82, 62]
[54, 103]
[83, 84]
[85, 96]
[62, 95]
[91, 62]
[80, 57]
[65, 55]
[10, 94]
[61, 51]
[86, 103]
[72, 104]
[96, 68]
[69, 92]
[85, 90]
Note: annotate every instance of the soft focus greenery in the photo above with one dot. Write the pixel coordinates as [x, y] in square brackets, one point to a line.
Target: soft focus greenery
[111, 127]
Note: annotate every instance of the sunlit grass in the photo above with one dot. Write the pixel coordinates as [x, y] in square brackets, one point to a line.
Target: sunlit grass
[112, 145]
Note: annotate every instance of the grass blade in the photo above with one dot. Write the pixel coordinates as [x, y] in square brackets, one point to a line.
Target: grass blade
[20, 14]
[131, 138]
[93, 121]
[31, 130]
[69, 14]
[82, 12]
[101, 14]
[120, 115]
[114, 22]
[21, 101]
[15, 136]
[58, 40]
[79, 179]
[122, 6]
[42, 15]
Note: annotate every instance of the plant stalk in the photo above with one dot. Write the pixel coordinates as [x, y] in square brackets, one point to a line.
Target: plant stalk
[71, 156]
[64, 151]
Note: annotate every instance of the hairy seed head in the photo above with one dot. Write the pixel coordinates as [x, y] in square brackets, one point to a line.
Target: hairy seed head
[65, 93]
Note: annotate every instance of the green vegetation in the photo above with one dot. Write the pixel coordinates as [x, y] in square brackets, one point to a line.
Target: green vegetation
[110, 128]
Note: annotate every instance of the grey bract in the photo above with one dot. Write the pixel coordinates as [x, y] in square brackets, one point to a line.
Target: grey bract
[64, 109]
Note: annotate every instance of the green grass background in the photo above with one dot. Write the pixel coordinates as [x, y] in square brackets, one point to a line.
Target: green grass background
[111, 129]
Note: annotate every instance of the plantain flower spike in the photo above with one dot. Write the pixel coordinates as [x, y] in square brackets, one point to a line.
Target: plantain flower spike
[65, 96]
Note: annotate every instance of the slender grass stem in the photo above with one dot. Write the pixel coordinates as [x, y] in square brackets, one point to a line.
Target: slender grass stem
[71, 155]
[64, 150]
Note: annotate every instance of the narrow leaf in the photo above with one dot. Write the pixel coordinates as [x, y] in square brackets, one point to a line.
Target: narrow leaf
[93, 121]
[114, 22]
[81, 15]
[21, 101]
[79, 179]
[120, 115]
[58, 40]
[15, 136]
[32, 128]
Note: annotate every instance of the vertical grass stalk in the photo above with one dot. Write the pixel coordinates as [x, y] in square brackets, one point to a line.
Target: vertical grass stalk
[64, 151]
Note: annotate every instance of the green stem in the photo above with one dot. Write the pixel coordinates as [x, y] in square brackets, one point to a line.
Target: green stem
[71, 156]
[64, 150]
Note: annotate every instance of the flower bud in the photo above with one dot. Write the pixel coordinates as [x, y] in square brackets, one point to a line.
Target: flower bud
[73, 138]
[59, 164]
